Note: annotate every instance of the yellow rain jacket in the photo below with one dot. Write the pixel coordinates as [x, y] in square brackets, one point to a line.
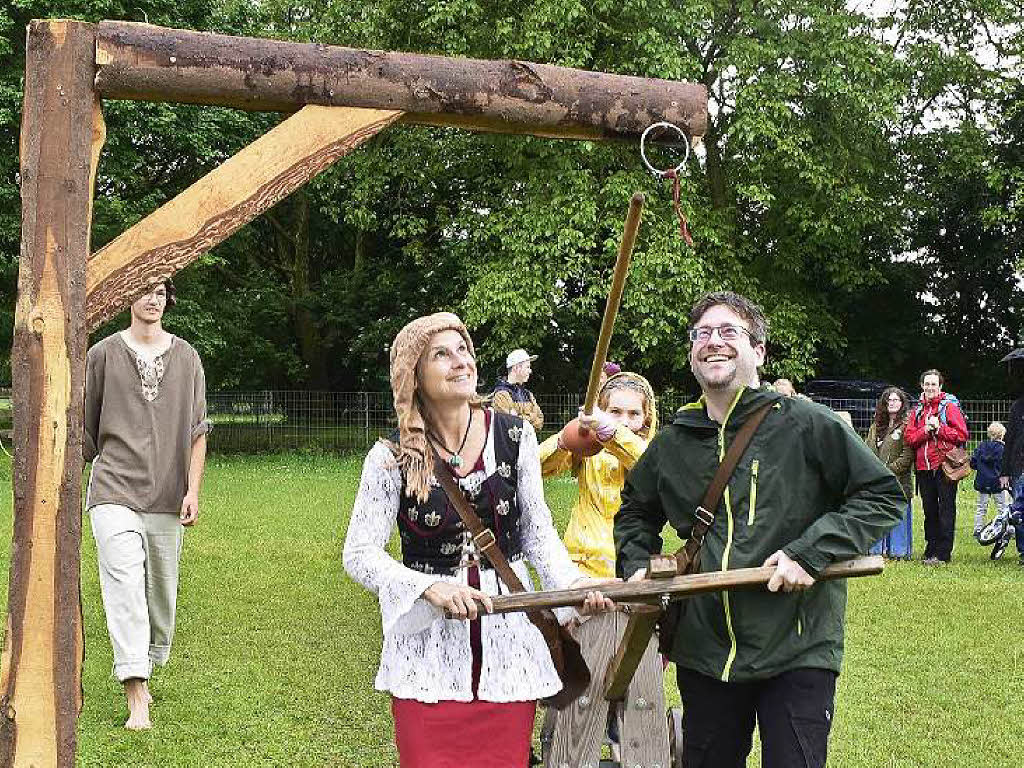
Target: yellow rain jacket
[588, 536]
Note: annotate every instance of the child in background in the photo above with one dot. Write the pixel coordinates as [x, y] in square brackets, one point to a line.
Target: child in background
[986, 460]
[626, 418]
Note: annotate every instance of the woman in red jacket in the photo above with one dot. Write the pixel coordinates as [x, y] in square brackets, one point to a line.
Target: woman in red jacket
[935, 426]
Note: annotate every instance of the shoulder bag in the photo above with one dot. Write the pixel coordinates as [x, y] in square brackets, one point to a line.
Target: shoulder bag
[565, 650]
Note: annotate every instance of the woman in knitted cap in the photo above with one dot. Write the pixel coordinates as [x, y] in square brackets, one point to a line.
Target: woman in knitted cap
[625, 419]
[467, 686]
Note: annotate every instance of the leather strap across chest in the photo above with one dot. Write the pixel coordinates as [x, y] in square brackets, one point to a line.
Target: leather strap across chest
[687, 556]
[565, 651]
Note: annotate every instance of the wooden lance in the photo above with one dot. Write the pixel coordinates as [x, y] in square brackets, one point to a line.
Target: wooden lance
[576, 438]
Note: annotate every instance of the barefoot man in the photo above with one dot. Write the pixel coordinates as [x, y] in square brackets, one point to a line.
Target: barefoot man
[145, 434]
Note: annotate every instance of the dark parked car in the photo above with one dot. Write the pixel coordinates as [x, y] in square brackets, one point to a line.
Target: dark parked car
[857, 396]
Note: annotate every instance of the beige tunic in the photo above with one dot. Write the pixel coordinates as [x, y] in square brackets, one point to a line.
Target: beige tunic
[139, 435]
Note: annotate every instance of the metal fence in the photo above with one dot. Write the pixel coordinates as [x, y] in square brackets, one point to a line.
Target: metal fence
[345, 422]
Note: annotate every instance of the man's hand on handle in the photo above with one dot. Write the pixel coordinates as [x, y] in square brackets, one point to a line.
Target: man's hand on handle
[789, 574]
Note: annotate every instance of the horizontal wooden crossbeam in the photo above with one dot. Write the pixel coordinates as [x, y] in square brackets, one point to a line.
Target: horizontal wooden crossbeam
[140, 61]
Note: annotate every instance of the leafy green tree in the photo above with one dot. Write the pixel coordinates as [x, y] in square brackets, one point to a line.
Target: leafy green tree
[818, 190]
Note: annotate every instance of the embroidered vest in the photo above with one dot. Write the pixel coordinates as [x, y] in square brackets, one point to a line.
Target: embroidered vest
[431, 532]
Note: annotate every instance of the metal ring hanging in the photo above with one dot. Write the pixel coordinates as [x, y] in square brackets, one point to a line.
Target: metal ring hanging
[643, 151]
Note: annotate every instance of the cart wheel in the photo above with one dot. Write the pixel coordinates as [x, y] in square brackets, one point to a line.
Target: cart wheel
[675, 736]
[992, 532]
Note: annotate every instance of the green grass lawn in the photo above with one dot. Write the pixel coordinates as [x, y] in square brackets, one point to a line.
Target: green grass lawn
[276, 650]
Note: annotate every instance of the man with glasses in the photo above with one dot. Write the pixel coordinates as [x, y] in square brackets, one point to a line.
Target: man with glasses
[145, 434]
[806, 493]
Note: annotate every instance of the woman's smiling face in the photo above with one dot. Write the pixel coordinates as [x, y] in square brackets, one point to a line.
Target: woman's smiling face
[447, 369]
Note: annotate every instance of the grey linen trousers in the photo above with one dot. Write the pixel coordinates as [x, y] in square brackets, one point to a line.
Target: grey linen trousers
[138, 556]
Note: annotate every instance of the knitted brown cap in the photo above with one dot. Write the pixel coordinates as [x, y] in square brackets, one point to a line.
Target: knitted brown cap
[413, 453]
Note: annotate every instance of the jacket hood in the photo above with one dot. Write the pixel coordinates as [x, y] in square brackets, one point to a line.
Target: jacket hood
[747, 401]
[501, 383]
[934, 401]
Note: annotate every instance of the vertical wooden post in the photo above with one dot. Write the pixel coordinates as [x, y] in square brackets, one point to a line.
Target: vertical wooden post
[61, 136]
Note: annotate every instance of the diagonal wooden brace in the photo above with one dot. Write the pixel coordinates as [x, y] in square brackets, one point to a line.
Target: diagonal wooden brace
[228, 197]
[622, 667]
[643, 620]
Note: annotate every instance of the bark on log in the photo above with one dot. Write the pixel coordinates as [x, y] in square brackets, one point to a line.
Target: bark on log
[139, 61]
[40, 686]
[229, 196]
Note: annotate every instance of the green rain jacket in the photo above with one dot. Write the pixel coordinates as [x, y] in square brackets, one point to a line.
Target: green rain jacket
[806, 484]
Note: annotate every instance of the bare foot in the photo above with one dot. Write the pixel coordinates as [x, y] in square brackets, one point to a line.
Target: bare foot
[145, 690]
[137, 695]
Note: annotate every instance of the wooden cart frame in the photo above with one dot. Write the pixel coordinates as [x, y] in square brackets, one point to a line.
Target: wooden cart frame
[340, 97]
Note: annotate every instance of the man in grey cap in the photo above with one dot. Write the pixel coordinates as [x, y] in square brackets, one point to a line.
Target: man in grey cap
[510, 393]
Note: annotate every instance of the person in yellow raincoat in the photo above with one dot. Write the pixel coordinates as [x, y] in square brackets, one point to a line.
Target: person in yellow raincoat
[625, 419]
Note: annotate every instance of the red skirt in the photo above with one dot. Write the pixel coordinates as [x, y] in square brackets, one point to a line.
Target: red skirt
[457, 734]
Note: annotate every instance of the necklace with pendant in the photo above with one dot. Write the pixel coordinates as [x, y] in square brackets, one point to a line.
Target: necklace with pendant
[454, 459]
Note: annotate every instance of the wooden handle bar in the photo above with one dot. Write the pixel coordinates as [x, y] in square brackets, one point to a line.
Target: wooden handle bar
[676, 587]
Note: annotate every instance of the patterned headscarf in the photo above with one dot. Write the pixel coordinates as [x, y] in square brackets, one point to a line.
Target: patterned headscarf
[636, 383]
[413, 453]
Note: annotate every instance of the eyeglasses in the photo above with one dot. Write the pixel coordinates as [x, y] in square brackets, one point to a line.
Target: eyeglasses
[702, 334]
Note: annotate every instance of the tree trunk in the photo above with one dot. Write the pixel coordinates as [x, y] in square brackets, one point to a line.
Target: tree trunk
[304, 322]
[715, 170]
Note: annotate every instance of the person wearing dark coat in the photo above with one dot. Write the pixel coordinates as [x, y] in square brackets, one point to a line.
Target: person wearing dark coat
[1011, 476]
[806, 493]
[987, 460]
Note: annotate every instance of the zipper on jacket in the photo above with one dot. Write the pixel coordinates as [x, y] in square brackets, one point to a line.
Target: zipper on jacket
[752, 502]
[730, 523]
[924, 411]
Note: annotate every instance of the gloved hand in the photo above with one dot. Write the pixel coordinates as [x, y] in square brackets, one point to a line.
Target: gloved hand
[600, 422]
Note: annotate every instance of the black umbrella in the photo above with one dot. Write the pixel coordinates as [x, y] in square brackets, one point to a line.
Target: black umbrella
[1017, 354]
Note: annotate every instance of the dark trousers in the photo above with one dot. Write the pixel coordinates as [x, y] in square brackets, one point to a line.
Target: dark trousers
[793, 713]
[938, 497]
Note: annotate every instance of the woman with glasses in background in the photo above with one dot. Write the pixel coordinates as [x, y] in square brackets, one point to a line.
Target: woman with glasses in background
[885, 439]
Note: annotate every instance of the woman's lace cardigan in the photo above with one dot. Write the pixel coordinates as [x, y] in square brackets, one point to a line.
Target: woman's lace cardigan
[425, 656]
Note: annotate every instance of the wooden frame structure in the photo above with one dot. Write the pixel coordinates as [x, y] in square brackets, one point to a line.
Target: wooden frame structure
[340, 97]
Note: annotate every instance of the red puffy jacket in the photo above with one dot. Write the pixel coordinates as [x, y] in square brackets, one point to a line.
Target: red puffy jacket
[931, 447]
